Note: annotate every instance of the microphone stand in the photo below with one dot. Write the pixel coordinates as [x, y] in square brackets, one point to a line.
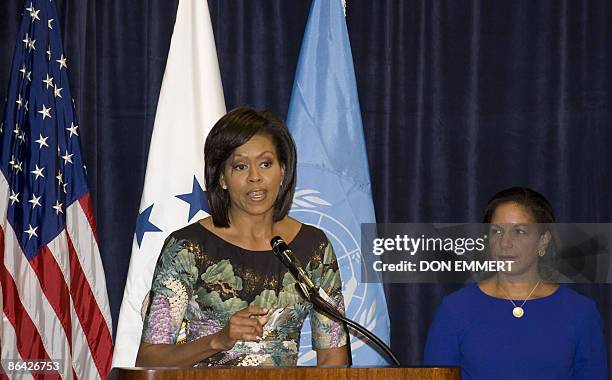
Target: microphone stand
[311, 292]
[324, 306]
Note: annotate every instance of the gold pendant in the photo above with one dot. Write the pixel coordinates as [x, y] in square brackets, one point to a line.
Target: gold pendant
[518, 312]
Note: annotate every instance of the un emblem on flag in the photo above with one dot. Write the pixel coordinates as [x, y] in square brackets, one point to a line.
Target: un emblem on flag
[310, 208]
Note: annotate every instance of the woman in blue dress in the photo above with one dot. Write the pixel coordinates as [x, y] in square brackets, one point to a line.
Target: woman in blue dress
[519, 324]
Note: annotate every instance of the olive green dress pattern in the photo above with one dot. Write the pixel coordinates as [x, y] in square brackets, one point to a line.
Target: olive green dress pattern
[200, 281]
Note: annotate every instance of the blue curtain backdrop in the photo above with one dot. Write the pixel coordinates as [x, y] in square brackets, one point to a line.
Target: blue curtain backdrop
[459, 99]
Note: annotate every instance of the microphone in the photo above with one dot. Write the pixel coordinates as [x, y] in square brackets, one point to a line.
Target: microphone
[317, 296]
[286, 256]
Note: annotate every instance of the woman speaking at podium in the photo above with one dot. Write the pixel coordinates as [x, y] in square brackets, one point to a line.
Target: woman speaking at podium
[519, 324]
[219, 296]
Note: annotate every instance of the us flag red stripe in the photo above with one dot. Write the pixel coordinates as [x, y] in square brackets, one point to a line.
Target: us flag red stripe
[54, 301]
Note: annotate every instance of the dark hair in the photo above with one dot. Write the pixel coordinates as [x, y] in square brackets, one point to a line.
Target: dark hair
[233, 130]
[541, 212]
[534, 202]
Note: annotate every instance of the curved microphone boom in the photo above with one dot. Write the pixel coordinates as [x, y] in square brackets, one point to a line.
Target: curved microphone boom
[317, 296]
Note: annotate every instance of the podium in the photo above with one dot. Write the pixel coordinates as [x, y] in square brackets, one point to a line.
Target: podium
[285, 373]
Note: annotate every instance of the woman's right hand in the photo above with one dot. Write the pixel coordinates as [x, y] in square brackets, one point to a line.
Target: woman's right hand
[246, 324]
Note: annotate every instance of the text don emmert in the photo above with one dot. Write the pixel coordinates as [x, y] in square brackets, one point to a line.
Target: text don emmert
[444, 266]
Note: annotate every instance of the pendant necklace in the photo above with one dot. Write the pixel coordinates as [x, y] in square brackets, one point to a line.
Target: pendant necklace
[518, 311]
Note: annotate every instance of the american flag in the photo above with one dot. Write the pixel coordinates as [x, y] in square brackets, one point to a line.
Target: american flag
[54, 300]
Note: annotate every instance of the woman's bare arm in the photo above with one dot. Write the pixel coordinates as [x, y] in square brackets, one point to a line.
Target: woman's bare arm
[246, 324]
[337, 356]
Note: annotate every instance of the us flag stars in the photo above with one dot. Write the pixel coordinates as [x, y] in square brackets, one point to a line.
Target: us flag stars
[40, 77]
[33, 12]
[38, 172]
[58, 208]
[31, 231]
[35, 201]
[48, 81]
[14, 197]
[62, 62]
[72, 129]
[46, 112]
[67, 158]
[42, 141]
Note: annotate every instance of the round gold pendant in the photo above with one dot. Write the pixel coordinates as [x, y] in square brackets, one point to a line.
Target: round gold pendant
[518, 312]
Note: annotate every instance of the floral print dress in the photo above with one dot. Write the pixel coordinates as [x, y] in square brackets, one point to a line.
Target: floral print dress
[200, 281]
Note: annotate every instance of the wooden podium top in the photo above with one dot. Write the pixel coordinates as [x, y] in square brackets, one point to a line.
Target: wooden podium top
[297, 373]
